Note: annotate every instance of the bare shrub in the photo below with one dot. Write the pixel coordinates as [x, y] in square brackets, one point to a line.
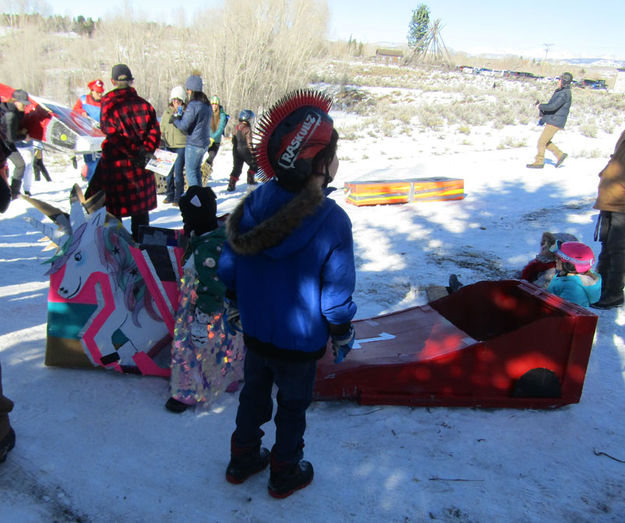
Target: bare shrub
[589, 129]
[248, 68]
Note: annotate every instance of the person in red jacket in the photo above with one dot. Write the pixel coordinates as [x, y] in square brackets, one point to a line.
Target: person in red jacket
[132, 135]
[90, 105]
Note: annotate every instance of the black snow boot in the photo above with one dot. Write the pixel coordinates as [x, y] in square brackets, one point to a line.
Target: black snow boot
[287, 478]
[15, 189]
[7, 443]
[245, 461]
[612, 281]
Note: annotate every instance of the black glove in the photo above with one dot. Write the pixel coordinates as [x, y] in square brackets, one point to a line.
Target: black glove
[142, 158]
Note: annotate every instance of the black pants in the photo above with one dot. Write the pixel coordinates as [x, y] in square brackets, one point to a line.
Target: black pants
[239, 157]
[295, 382]
[611, 264]
[212, 152]
[136, 221]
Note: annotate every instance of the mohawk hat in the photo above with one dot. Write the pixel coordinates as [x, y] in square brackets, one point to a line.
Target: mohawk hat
[96, 85]
[290, 134]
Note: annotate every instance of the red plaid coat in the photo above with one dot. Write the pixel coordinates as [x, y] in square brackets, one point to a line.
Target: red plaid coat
[132, 130]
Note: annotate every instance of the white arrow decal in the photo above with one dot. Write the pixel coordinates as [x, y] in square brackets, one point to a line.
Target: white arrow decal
[382, 337]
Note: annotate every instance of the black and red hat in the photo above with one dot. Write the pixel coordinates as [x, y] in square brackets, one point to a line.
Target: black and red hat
[290, 134]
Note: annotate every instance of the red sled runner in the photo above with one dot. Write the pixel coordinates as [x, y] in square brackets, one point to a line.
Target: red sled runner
[492, 344]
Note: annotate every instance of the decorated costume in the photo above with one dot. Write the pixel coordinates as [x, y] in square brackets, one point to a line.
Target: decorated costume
[205, 358]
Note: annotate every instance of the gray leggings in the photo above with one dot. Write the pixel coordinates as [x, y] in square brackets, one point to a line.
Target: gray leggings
[17, 160]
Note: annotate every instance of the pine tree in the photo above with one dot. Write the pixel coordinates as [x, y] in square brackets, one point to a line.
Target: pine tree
[419, 27]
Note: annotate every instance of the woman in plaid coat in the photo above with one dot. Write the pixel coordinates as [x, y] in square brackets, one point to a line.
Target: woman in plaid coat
[132, 135]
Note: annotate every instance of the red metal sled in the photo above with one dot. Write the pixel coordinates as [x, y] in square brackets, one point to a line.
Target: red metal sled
[486, 345]
[403, 191]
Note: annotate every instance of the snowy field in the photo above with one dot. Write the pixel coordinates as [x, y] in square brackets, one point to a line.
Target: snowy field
[98, 446]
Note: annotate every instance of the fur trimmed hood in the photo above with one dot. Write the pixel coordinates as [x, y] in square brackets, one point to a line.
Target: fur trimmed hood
[268, 218]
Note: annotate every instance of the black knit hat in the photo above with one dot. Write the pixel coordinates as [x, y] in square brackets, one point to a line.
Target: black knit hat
[198, 207]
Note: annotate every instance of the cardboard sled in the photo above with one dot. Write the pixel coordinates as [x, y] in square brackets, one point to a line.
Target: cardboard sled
[492, 344]
[58, 127]
[403, 191]
[112, 302]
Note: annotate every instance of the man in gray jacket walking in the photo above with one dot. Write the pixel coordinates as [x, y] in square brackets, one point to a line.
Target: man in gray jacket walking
[553, 114]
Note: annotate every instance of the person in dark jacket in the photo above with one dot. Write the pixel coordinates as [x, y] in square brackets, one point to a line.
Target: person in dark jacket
[196, 124]
[12, 133]
[7, 435]
[288, 268]
[132, 135]
[242, 150]
[553, 114]
[611, 229]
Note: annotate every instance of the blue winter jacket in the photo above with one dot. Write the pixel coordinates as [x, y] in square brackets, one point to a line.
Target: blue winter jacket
[582, 289]
[556, 110]
[289, 258]
[196, 123]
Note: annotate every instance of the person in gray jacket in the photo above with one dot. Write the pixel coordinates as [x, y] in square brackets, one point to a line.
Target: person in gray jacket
[553, 114]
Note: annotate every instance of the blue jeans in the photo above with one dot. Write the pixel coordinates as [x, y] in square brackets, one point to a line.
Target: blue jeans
[91, 161]
[175, 178]
[193, 161]
[295, 381]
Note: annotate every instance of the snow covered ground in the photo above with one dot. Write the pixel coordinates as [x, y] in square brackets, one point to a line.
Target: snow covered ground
[98, 446]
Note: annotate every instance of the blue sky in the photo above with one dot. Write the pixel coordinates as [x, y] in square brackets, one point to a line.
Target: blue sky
[579, 28]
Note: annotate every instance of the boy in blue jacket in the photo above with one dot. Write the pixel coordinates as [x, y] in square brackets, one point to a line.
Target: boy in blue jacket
[288, 267]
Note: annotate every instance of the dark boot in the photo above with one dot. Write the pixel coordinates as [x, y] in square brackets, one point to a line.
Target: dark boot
[250, 177]
[7, 443]
[245, 461]
[286, 478]
[231, 184]
[612, 281]
[15, 188]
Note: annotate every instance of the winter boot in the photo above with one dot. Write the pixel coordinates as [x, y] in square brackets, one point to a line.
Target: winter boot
[535, 166]
[250, 177]
[612, 282]
[173, 405]
[286, 478]
[6, 444]
[245, 461]
[231, 184]
[15, 189]
[561, 159]
[206, 169]
[454, 284]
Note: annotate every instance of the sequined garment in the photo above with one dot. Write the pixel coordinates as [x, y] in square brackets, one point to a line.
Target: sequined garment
[205, 359]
